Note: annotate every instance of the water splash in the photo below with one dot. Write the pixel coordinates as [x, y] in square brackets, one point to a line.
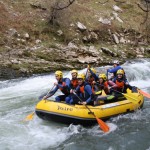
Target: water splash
[18, 98]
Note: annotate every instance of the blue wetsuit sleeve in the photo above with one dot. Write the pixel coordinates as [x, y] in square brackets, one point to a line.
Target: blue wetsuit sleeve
[114, 69]
[68, 82]
[89, 91]
[77, 90]
[52, 92]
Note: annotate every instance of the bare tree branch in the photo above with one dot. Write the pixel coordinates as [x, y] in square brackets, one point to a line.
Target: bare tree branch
[61, 8]
[147, 10]
[56, 7]
[146, 17]
[148, 1]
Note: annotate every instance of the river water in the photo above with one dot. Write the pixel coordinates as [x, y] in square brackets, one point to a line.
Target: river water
[18, 98]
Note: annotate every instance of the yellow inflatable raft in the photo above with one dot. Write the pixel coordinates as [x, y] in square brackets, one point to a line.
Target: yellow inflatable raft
[79, 114]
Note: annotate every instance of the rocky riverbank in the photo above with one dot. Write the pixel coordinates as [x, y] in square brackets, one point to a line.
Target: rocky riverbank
[31, 46]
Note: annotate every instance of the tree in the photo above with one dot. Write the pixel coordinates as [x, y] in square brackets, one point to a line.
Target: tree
[145, 7]
[58, 6]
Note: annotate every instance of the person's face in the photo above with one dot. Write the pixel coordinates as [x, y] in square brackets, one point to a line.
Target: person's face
[119, 76]
[57, 77]
[80, 81]
[100, 80]
[74, 75]
[115, 65]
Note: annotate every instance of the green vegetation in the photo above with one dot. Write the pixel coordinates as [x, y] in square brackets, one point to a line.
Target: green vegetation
[33, 16]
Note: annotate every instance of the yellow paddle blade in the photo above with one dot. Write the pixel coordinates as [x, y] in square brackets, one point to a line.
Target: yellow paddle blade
[102, 125]
[29, 117]
[131, 98]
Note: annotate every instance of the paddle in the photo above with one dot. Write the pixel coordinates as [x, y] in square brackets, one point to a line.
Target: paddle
[144, 93]
[30, 116]
[88, 66]
[102, 124]
[107, 74]
[130, 98]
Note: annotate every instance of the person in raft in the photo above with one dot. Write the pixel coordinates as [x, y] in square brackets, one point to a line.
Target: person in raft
[73, 85]
[122, 83]
[91, 76]
[63, 84]
[115, 91]
[74, 80]
[107, 86]
[83, 93]
[116, 67]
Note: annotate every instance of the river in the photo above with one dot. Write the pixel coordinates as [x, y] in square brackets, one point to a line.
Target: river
[18, 98]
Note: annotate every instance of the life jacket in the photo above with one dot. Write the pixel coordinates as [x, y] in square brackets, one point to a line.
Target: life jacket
[86, 94]
[82, 88]
[120, 85]
[74, 83]
[106, 87]
[64, 90]
[106, 84]
[98, 90]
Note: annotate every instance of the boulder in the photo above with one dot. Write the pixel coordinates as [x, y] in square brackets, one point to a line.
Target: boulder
[81, 27]
[87, 59]
[147, 50]
[72, 46]
[115, 38]
[105, 21]
[107, 51]
[116, 8]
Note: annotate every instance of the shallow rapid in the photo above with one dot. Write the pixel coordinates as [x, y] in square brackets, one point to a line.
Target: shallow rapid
[18, 98]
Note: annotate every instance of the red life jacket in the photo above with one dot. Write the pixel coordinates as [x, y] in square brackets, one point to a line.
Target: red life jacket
[74, 83]
[120, 84]
[106, 87]
[106, 84]
[82, 89]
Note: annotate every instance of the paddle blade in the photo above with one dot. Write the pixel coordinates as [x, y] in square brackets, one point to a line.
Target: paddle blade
[102, 125]
[131, 98]
[29, 117]
[144, 93]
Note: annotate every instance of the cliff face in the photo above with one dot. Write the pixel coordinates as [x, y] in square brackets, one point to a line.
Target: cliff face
[35, 38]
